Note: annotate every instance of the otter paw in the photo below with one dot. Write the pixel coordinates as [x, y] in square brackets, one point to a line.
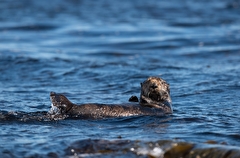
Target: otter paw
[133, 99]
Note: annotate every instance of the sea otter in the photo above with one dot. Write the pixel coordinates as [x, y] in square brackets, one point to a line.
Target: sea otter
[154, 100]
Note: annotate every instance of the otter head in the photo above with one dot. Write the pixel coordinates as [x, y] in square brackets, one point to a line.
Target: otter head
[155, 91]
[60, 104]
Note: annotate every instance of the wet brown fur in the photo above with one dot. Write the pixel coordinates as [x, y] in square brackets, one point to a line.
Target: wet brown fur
[154, 100]
[154, 89]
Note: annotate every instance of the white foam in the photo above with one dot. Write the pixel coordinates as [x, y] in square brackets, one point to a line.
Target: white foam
[53, 110]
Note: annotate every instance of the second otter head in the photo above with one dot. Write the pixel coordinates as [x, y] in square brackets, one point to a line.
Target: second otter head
[155, 89]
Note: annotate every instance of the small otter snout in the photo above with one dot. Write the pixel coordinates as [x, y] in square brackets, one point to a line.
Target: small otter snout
[158, 95]
[154, 86]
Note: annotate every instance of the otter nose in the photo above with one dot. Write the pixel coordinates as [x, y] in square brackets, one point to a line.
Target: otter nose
[154, 86]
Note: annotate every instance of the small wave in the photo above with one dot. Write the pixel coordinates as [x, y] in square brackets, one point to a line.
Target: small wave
[30, 27]
[24, 116]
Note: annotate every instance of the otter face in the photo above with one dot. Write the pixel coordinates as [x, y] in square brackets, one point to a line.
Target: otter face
[155, 89]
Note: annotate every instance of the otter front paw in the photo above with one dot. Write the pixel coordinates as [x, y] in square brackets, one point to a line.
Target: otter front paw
[133, 99]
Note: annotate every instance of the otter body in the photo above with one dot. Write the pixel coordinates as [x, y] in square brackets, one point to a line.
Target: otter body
[114, 110]
[154, 100]
[61, 105]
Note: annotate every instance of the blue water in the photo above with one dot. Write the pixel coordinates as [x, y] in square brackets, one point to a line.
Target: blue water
[100, 51]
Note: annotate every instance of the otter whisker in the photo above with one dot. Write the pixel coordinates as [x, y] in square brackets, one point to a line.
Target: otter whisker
[148, 94]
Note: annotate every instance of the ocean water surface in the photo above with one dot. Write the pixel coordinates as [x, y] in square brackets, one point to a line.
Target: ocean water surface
[100, 52]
